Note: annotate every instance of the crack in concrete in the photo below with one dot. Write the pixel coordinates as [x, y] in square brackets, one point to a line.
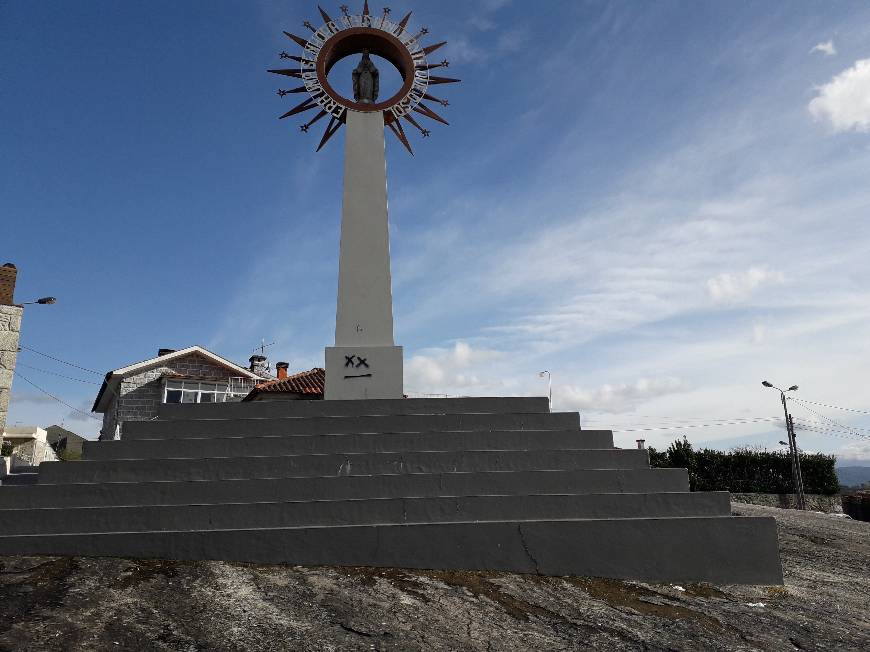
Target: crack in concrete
[526, 548]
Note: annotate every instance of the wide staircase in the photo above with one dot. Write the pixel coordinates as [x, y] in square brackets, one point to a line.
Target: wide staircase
[474, 483]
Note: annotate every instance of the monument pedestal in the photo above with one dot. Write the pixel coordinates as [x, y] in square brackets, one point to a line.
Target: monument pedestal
[365, 362]
[359, 372]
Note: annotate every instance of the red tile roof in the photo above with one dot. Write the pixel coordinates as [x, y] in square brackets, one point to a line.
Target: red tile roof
[309, 383]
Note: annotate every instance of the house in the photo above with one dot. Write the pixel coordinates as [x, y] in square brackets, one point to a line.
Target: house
[27, 446]
[63, 440]
[305, 385]
[191, 375]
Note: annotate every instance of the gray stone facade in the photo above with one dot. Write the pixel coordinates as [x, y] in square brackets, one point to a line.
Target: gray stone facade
[140, 394]
[10, 329]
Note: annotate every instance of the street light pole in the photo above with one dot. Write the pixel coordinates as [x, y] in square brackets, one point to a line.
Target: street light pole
[797, 478]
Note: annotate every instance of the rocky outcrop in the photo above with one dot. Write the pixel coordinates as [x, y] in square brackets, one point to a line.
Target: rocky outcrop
[118, 604]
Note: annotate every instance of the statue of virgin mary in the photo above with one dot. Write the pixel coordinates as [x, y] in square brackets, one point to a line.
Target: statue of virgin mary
[366, 80]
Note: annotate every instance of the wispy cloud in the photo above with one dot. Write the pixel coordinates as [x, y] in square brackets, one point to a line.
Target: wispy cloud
[738, 286]
[32, 398]
[844, 102]
[621, 397]
[827, 48]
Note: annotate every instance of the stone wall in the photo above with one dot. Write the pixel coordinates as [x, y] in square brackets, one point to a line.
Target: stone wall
[10, 329]
[32, 453]
[815, 502]
[139, 395]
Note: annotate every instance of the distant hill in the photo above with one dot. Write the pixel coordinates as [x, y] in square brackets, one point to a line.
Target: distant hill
[852, 476]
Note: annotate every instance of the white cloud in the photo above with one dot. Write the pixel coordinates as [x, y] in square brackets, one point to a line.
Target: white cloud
[827, 48]
[451, 371]
[34, 399]
[615, 398]
[732, 287]
[857, 451]
[844, 101]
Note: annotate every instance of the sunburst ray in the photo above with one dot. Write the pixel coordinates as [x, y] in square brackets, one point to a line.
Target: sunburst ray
[404, 22]
[298, 39]
[429, 113]
[308, 124]
[287, 72]
[429, 50]
[334, 125]
[399, 131]
[443, 80]
[307, 105]
[324, 15]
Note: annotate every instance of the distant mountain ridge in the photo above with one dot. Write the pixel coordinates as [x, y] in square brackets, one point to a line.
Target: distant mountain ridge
[852, 476]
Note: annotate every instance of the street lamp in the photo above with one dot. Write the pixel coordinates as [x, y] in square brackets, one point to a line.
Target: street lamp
[549, 385]
[792, 444]
[44, 301]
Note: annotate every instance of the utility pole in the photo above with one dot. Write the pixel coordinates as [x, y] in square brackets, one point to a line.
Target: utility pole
[796, 465]
[797, 479]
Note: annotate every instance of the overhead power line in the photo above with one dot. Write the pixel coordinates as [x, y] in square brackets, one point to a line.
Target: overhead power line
[52, 373]
[50, 395]
[730, 422]
[829, 420]
[51, 357]
[833, 407]
[832, 433]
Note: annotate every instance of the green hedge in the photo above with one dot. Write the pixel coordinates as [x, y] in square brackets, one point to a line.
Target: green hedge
[745, 470]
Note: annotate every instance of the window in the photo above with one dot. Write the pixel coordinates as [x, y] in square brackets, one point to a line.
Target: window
[188, 391]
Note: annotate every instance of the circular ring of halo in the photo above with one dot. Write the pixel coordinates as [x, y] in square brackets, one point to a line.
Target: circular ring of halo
[378, 42]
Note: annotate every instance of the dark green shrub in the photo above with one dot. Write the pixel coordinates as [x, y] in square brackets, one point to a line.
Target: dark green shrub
[748, 470]
[6, 449]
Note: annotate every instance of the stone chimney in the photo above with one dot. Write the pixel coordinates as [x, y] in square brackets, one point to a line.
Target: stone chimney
[8, 274]
[281, 368]
[259, 365]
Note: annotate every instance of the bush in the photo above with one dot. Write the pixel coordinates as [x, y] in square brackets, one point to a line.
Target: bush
[6, 449]
[747, 470]
[69, 456]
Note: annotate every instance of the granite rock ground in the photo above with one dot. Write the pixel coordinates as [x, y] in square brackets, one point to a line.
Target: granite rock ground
[121, 604]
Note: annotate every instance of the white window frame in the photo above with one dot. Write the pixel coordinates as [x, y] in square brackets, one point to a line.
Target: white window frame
[197, 388]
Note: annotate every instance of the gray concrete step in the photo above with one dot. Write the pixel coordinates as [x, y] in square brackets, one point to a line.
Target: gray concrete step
[284, 408]
[710, 549]
[352, 443]
[237, 516]
[344, 488]
[228, 468]
[16, 479]
[346, 425]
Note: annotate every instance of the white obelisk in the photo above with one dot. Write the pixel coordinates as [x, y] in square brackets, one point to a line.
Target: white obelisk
[365, 362]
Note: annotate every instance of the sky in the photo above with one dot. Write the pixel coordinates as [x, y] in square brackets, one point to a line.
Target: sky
[661, 204]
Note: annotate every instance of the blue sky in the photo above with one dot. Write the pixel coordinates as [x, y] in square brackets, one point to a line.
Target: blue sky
[661, 203]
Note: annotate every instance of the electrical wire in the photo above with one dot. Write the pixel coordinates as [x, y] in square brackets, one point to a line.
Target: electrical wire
[833, 407]
[836, 423]
[52, 373]
[734, 422]
[832, 433]
[62, 402]
[51, 357]
[806, 424]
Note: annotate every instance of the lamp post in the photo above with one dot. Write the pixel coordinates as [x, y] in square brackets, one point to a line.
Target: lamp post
[792, 445]
[549, 385]
[44, 301]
